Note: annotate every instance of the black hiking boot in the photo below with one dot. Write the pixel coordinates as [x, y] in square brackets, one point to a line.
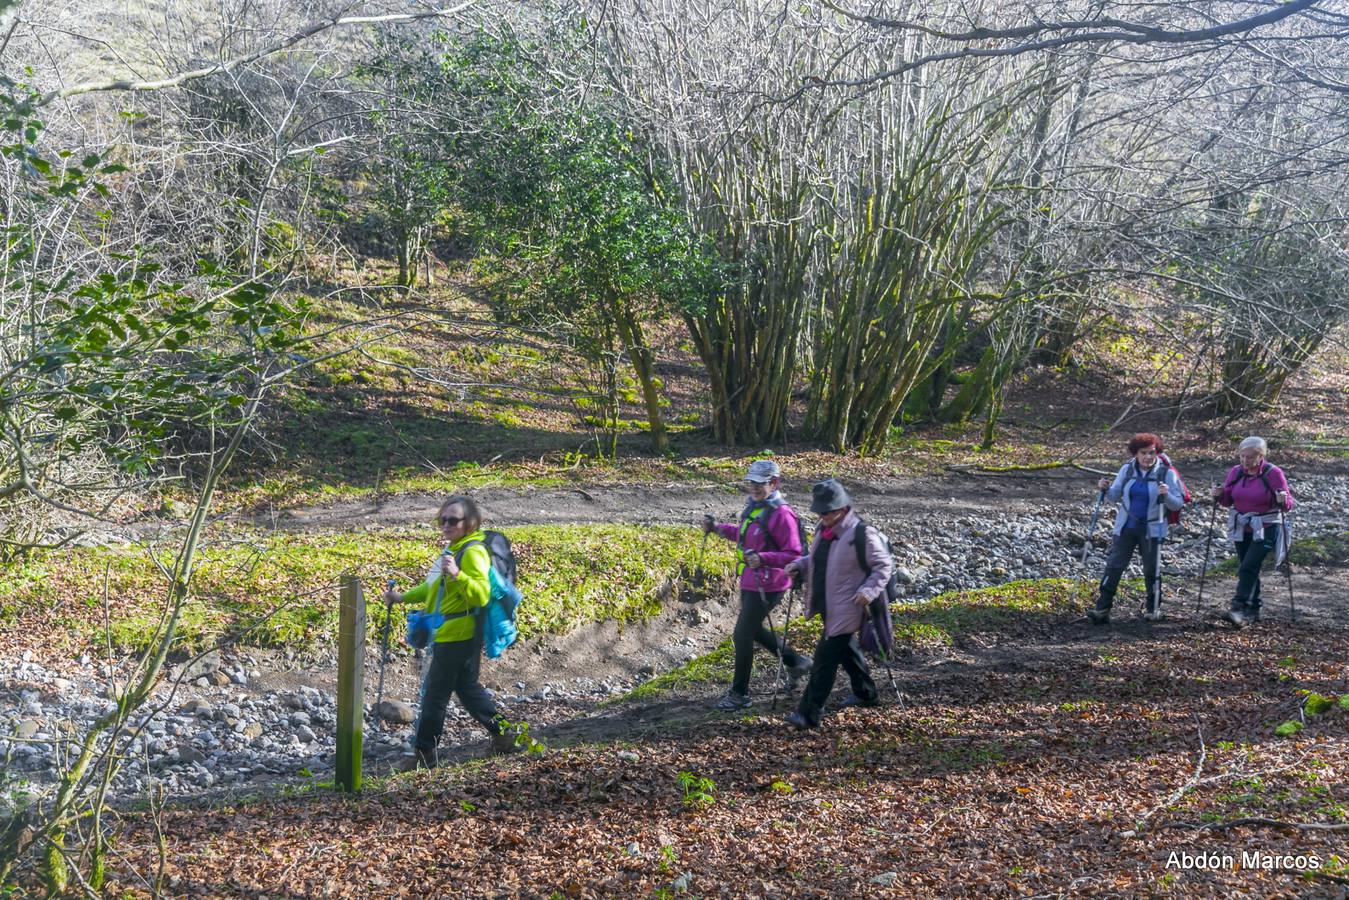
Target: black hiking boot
[506, 742]
[800, 670]
[1099, 616]
[854, 700]
[798, 721]
[420, 759]
[1238, 615]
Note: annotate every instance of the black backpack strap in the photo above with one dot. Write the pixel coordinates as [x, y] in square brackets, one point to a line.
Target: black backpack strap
[767, 533]
[762, 521]
[859, 543]
[459, 554]
[1264, 476]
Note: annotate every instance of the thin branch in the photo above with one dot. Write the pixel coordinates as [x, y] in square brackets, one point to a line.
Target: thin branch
[126, 84]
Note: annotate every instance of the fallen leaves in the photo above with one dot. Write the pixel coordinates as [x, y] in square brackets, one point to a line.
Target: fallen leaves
[981, 784]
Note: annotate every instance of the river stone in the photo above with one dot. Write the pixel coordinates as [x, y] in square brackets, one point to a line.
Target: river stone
[198, 668]
[29, 727]
[189, 754]
[198, 707]
[395, 712]
[252, 731]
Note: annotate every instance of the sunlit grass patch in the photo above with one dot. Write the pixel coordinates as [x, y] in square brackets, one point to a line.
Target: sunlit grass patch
[953, 613]
[714, 666]
[571, 575]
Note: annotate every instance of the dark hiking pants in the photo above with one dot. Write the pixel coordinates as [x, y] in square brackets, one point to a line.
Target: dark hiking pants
[1121, 552]
[830, 653]
[1252, 552]
[750, 629]
[454, 670]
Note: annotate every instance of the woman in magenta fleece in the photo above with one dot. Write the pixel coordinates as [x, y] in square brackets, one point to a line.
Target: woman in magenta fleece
[1257, 494]
[767, 537]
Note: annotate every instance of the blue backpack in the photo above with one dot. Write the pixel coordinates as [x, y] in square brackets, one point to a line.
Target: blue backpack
[497, 619]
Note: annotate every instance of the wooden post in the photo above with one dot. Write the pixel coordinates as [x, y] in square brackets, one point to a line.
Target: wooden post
[350, 684]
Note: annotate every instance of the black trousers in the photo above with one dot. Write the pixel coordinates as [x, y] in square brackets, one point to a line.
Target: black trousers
[1252, 552]
[454, 670]
[830, 653]
[750, 630]
[1121, 552]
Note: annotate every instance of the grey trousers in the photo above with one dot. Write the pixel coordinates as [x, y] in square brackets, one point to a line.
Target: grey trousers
[1121, 552]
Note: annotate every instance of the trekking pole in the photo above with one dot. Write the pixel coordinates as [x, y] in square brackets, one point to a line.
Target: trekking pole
[885, 660]
[383, 657]
[1091, 529]
[1208, 552]
[702, 551]
[1285, 540]
[786, 624]
[782, 663]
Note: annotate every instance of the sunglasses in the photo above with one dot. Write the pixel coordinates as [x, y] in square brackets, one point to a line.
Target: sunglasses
[447, 521]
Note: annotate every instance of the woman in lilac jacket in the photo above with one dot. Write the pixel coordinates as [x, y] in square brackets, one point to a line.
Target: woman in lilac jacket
[1257, 494]
[767, 537]
[840, 590]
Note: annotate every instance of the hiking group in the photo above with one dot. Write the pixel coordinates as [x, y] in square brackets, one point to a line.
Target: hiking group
[1149, 495]
[846, 567]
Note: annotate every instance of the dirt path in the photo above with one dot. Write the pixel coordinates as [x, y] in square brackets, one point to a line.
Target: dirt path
[963, 494]
[1034, 645]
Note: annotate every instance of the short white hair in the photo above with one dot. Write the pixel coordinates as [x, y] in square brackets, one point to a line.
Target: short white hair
[1254, 443]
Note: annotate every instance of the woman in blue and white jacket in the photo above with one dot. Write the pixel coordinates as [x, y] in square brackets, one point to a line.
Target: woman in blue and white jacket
[1144, 488]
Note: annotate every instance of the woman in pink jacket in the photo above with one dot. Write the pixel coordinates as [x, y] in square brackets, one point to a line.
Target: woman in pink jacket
[1257, 495]
[767, 537]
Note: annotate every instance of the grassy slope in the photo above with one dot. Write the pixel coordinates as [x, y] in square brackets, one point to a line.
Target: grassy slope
[570, 576]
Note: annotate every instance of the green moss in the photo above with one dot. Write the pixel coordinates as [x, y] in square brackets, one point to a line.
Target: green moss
[711, 667]
[1321, 550]
[947, 616]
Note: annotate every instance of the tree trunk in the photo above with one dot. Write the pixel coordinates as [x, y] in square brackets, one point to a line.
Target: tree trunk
[643, 364]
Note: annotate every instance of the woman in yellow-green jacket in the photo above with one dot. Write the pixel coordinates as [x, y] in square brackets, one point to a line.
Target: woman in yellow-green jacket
[460, 578]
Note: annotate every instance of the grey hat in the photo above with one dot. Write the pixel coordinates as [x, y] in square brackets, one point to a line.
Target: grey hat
[763, 471]
[827, 496]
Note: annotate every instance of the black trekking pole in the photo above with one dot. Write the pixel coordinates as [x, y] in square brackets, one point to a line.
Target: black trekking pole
[1158, 560]
[1285, 539]
[1091, 529]
[786, 624]
[702, 551]
[383, 658]
[884, 658]
[1208, 553]
[768, 614]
